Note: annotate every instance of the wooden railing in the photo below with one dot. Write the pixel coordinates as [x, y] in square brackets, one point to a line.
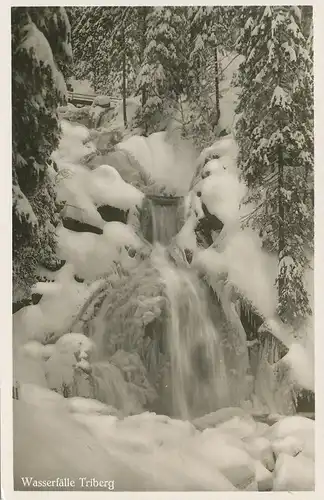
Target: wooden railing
[86, 99]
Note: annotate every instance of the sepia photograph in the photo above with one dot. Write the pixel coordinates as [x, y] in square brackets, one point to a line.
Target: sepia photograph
[163, 248]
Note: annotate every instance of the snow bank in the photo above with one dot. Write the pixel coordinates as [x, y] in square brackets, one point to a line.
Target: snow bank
[106, 187]
[294, 473]
[83, 190]
[34, 39]
[55, 311]
[222, 193]
[170, 165]
[116, 122]
[249, 268]
[93, 255]
[74, 144]
[158, 452]
[229, 93]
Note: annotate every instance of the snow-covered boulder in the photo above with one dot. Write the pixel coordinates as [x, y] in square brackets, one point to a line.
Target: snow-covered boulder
[290, 445]
[231, 460]
[90, 406]
[42, 397]
[218, 417]
[263, 477]
[107, 187]
[238, 427]
[102, 101]
[294, 473]
[49, 444]
[260, 448]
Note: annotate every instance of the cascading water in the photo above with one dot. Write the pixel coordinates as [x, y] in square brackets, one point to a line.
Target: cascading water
[165, 312]
[161, 218]
[197, 370]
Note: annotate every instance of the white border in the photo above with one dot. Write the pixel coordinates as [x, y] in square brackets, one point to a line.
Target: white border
[5, 262]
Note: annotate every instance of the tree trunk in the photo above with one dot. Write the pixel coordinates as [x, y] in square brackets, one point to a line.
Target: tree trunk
[144, 12]
[217, 97]
[124, 81]
[94, 69]
[143, 45]
[281, 220]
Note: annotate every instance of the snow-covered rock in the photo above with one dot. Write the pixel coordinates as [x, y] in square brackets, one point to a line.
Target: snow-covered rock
[106, 187]
[263, 477]
[290, 445]
[238, 427]
[42, 397]
[101, 100]
[232, 461]
[260, 448]
[300, 362]
[294, 473]
[90, 406]
[218, 417]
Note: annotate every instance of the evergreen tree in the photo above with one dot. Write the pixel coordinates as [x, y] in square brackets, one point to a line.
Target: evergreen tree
[164, 66]
[275, 136]
[89, 34]
[122, 50]
[41, 54]
[210, 39]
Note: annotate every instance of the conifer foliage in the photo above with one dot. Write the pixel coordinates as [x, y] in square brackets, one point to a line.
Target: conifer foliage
[275, 135]
[41, 55]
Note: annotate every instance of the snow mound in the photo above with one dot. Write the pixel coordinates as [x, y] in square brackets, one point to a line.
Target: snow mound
[90, 406]
[108, 188]
[74, 144]
[170, 165]
[294, 473]
[55, 311]
[101, 100]
[249, 268]
[222, 193]
[94, 255]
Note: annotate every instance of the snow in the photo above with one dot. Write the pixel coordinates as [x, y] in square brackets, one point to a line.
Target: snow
[93, 255]
[81, 86]
[116, 122]
[290, 51]
[160, 452]
[61, 365]
[249, 268]
[229, 93]
[101, 100]
[294, 474]
[54, 313]
[74, 144]
[89, 406]
[279, 98]
[106, 187]
[83, 189]
[36, 41]
[22, 205]
[300, 362]
[222, 192]
[169, 164]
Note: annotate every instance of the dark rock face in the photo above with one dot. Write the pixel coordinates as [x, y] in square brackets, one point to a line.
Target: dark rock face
[305, 402]
[16, 306]
[109, 214]
[36, 297]
[206, 226]
[80, 227]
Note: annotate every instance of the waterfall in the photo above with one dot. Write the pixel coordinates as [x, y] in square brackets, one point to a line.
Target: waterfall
[197, 368]
[191, 345]
[162, 218]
